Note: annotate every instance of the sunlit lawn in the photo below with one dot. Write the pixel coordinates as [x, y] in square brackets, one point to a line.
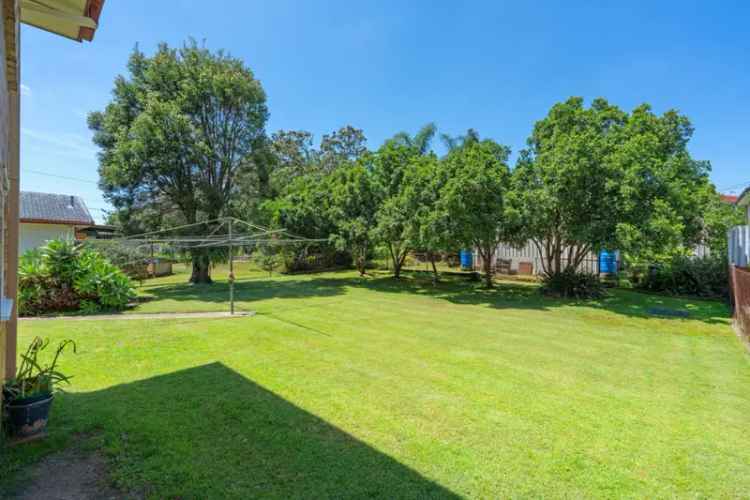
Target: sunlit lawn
[348, 387]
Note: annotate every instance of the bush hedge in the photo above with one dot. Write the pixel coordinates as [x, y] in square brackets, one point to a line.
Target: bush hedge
[571, 284]
[62, 276]
[706, 277]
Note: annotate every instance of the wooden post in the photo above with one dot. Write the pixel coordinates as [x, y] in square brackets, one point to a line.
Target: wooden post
[231, 270]
[10, 18]
[153, 263]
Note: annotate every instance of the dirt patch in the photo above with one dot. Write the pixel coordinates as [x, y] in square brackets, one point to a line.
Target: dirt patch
[72, 474]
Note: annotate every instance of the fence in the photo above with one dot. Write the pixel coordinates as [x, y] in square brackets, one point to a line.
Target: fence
[739, 246]
[528, 260]
[740, 282]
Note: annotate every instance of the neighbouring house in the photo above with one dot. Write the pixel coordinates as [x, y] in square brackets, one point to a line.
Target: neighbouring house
[739, 236]
[46, 216]
[527, 260]
[74, 19]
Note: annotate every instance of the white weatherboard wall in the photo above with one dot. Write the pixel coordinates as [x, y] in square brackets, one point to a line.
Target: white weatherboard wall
[739, 246]
[37, 235]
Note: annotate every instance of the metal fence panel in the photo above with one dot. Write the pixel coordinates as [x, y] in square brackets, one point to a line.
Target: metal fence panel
[739, 246]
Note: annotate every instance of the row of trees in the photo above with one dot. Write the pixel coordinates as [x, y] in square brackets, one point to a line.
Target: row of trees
[184, 141]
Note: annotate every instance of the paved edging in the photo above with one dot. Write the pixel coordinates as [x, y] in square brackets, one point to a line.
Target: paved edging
[99, 317]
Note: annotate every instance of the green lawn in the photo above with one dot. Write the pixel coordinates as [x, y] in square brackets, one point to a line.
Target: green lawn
[349, 387]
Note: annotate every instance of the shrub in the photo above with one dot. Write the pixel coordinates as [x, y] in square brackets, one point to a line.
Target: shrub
[706, 277]
[574, 285]
[267, 260]
[318, 259]
[65, 277]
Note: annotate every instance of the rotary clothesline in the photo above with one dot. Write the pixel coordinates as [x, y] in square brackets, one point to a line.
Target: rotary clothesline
[258, 236]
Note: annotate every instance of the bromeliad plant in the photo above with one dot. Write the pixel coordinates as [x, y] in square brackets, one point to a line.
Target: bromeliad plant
[34, 379]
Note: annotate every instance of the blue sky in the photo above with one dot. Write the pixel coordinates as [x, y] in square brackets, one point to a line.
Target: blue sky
[386, 66]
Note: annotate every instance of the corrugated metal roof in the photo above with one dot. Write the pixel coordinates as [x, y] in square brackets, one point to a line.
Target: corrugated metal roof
[54, 208]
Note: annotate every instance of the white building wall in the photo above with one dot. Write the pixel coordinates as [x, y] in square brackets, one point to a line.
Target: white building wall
[530, 254]
[37, 235]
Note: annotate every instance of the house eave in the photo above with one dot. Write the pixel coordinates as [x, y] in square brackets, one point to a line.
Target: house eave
[56, 222]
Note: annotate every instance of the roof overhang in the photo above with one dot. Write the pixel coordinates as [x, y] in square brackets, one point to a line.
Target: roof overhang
[58, 222]
[74, 19]
[744, 198]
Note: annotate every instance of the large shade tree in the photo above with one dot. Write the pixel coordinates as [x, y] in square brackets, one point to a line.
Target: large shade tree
[396, 209]
[353, 206]
[180, 129]
[427, 227]
[473, 200]
[599, 178]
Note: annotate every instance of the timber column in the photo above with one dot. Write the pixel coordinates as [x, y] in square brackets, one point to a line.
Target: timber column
[10, 242]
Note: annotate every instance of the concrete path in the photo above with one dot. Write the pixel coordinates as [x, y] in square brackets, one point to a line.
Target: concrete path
[101, 317]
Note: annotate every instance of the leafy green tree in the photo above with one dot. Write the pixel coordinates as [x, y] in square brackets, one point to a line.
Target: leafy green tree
[421, 141]
[597, 177]
[456, 142]
[388, 165]
[427, 227]
[305, 210]
[473, 199]
[719, 217]
[180, 129]
[354, 203]
[342, 147]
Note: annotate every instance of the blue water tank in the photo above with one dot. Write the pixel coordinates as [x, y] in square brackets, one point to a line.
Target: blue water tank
[467, 259]
[607, 262]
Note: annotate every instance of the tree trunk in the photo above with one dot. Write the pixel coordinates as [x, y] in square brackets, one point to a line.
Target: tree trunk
[487, 256]
[397, 261]
[360, 260]
[201, 269]
[434, 267]
[488, 273]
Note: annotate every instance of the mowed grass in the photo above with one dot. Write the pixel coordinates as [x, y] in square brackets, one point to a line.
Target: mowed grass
[355, 387]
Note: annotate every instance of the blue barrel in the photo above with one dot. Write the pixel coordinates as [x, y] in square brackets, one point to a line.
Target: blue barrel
[607, 262]
[467, 259]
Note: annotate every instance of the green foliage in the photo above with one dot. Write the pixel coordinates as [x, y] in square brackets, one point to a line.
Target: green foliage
[571, 284]
[268, 260]
[33, 378]
[65, 277]
[132, 259]
[473, 199]
[718, 218]
[388, 166]
[697, 276]
[354, 204]
[598, 177]
[427, 228]
[179, 131]
[420, 141]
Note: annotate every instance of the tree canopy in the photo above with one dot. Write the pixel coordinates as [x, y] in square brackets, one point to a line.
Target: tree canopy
[599, 178]
[178, 132]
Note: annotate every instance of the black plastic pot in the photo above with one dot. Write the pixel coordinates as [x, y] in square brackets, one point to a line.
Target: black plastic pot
[28, 416]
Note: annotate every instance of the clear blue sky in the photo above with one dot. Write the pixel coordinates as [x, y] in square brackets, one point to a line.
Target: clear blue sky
[386, 66]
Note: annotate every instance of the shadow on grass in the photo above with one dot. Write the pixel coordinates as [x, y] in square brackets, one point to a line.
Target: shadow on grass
[246, 290]
[209, 432]
[524, 295]
[454, 289]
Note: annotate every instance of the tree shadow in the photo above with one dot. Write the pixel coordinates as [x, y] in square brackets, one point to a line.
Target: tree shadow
[526, 295]
[209, 432]
[452, 288]
[246, 290]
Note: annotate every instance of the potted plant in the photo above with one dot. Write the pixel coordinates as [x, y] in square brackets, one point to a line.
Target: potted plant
[28, 396]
